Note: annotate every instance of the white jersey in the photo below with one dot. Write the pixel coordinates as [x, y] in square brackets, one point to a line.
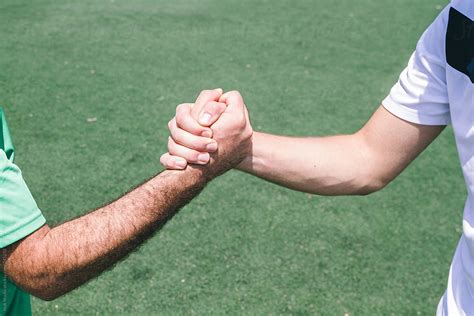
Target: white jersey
[437, 88]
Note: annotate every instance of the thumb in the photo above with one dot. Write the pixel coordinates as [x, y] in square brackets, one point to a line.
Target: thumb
[211, 112]
[205, 97]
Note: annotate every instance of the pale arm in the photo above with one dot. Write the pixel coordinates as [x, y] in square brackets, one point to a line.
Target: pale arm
[360, 163]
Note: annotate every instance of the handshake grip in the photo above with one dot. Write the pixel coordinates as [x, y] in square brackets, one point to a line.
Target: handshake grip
[214, 132]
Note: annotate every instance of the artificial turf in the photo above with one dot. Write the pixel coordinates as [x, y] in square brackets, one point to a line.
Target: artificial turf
[88, 87]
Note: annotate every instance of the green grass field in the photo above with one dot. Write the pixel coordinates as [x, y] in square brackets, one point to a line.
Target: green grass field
[307, 67]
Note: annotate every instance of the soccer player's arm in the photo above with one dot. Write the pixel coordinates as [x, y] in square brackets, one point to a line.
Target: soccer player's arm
[52, 261]
[356, 164]
[411, 117]
[361, 163]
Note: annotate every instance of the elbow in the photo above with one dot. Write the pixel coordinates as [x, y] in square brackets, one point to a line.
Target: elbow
[46, 295]
[41, 286]
[47, 292]
[371, 184]
[47, 288]
[370, 188]
[29, 269]
[355, 185]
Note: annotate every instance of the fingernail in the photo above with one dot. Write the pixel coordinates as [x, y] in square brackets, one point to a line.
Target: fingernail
[207, 133]
[181, 163]
[211, 147]
[219, 90]
[203, 158]
[205, 119]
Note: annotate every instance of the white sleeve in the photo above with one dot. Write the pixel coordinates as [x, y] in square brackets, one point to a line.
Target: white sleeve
[420, 96]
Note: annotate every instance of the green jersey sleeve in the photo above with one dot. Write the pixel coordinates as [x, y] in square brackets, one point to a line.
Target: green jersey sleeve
[19, 217]
[19, 214]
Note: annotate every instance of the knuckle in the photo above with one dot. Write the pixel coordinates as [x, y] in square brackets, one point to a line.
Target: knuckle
[222, 107]
[170, 123]
[180, 119]
[234, 93]
[194, 155]
[164, 159]
[180, 107]
[171, 144]
[176, 136]
[205, 92]
[172, 151]
[202, 144]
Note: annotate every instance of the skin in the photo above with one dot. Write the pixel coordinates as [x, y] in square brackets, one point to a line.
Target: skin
[355, 164]
[201, 119]
[53, 261]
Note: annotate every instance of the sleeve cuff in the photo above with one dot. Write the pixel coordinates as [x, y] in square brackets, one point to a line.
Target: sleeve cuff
[414, 116]
[22, 231]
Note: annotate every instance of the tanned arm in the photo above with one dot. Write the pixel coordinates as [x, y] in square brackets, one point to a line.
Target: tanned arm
[51, 262]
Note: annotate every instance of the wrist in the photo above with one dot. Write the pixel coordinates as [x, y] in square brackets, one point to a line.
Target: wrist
[193, 176]
[202, 173]
[246, 164]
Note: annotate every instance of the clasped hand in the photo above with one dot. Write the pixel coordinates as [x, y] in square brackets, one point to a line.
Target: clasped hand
[215, 131]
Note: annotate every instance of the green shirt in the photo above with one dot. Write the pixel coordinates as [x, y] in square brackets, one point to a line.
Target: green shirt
[19, 217]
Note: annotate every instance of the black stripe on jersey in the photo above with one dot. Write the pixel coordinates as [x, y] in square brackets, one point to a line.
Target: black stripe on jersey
[460, 43]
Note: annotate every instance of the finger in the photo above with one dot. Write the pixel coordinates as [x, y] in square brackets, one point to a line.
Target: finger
[205, 97]
[190, 155]
[186, 122]
[181, 137]
[211, 113]
[173, 162]
[233, 99]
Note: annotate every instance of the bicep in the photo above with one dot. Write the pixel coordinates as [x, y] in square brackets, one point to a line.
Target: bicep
[392, 143]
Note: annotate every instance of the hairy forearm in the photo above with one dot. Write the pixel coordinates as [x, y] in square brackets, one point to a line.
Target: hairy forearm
[63, 258]
[320, 165]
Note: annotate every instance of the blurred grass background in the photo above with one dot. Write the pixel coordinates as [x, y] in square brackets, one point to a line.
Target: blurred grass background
[307, 67]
